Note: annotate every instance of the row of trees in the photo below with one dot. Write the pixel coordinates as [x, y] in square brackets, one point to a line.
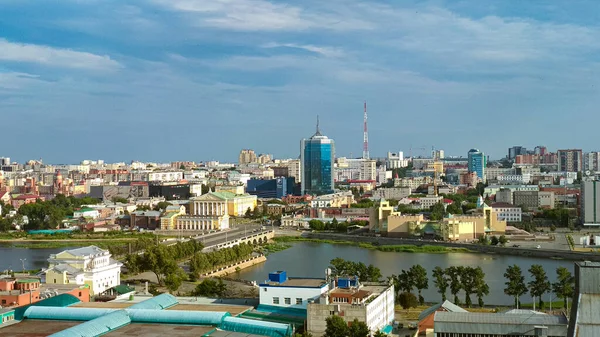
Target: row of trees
[336, 326]
[201, 262]
[341, 267]
[162, 261]
[539, 285]
[210, 288]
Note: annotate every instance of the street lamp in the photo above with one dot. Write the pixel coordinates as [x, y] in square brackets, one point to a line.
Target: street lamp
[23, 263]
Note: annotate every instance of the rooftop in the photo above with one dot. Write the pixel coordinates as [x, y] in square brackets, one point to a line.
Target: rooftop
[85, 251]
[299, 282]
[487, 318]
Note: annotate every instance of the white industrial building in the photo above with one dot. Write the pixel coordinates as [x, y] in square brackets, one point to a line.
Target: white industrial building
[291, 293]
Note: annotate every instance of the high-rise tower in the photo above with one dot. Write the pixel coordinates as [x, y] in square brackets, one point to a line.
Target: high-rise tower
[365, 136]
[317, 158]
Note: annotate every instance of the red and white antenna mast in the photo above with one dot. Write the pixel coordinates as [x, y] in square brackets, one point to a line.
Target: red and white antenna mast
[365, 136]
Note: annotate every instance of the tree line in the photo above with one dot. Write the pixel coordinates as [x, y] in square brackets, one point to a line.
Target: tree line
[334, 225]
[469, 280]
[202, 262]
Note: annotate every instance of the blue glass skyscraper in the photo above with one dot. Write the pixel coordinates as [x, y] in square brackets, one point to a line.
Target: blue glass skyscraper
[477, 163]
[317, 156]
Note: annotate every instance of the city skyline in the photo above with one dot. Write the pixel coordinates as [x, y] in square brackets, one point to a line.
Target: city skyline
[196, 80]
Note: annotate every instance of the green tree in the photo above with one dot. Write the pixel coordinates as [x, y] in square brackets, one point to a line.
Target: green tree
[502, 240]
[483, 240]
[358, 329]
[158, 260]
[120, 200]
[564, 286]
[182, 167]
[454, 208]
[481, 286]
[143, 208]
[494, 240]
[378, 333]
[539, 285]
[418, 276]
[341, 267]
[437, 211]
[441, 281]
[403, 281]
[162, 206]
[173, 280]
[336, 327]
[469, 283]
[455, 284]
[210, 288]
[515, 284]
[407, 300]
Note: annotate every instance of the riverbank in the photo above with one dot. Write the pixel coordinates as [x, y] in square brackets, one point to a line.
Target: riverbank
[231, 269]
[383, 248]
[468, 247]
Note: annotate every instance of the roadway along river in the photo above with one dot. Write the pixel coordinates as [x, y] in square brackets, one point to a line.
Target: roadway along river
[307, 259]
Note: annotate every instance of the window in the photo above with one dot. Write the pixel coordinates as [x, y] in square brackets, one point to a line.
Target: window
[298, 301]
[331, 313]
[275, 300]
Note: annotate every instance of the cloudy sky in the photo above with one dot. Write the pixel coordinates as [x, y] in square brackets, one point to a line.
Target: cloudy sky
[162, 80]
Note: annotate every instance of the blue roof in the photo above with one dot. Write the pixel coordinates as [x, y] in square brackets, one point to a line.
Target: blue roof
[250, 326]
[160, 302]
[97, 327]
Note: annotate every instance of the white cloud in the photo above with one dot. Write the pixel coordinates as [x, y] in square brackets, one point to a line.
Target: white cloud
[259, 15]
[56, 57]
[325, 51]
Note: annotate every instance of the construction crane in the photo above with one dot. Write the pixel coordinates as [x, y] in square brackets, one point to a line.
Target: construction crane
[415, 148]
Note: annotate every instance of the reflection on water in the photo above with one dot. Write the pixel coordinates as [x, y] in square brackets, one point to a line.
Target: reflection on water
[308, 259]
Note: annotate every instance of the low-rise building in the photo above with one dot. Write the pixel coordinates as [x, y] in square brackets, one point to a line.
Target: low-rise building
[425, 319]
[339, 199]
[512, 323]
[15, 292]
[507, 212]
[281, 291]
[370, 303]
[86, 212]
[88, 265]
[145, 220]
[24, 199]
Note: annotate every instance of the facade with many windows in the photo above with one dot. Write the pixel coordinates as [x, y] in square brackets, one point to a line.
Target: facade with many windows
[507, 212]
[317, 156]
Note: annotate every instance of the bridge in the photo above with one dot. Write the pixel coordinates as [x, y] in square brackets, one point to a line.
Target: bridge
[226, 241]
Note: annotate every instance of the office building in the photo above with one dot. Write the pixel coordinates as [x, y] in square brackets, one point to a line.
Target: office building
[477, 163]
[590, 202]
[534, 200]
[88, 265]
[515, 151]
[317, 157]
[396, 160]
[570, 160]
[507, 212]
[271, 188]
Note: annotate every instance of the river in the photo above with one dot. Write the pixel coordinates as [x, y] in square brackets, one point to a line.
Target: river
[307, 259]
[35, 258]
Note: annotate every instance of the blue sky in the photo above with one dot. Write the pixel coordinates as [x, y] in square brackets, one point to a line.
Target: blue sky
[162, 80]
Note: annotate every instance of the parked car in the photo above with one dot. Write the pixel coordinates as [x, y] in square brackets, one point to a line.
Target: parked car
[516, 246]
[412, 325]
[538, 247]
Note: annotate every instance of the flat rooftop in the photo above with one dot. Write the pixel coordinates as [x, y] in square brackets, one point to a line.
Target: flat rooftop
[234, 310]
[42, 328]
[299, 282]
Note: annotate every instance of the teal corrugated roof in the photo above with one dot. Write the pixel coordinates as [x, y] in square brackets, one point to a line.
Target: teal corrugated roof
[97, 327]
[62, 300]
[160, 302]
[66, 314]
[250, 326]
[177, 317]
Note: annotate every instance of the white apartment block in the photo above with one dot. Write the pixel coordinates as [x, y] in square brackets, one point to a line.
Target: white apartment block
[507, 212]
[591, 161]
[294, 293]
[339, 199]
[165, 176]
[514, 178]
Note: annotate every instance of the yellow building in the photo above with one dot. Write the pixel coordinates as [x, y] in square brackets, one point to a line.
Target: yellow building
[169, 221]
[378, 219]
[211, 211]
[453, 228]
[88, 265]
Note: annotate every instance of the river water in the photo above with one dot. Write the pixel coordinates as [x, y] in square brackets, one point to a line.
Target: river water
[307, 259]
[35, 258]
